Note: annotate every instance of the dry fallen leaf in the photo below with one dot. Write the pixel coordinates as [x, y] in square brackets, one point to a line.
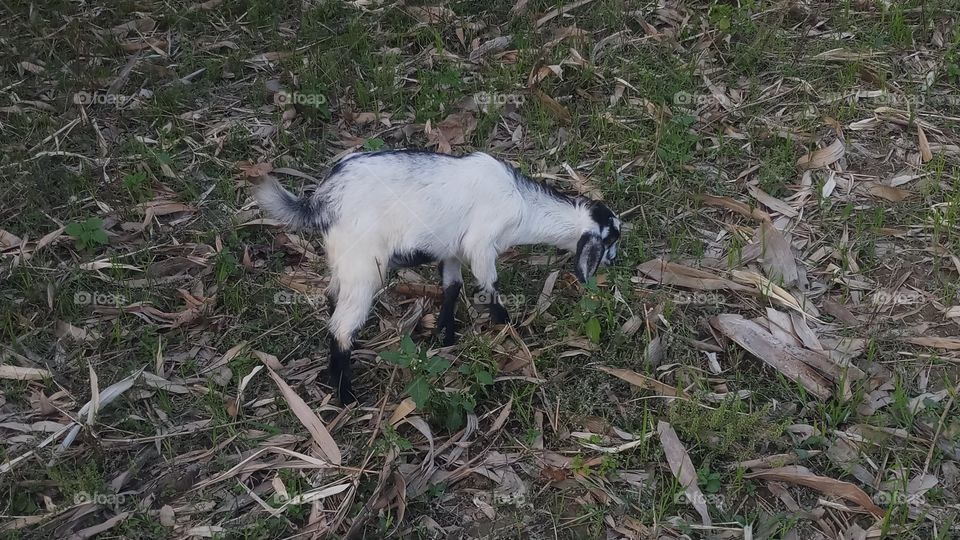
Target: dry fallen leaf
[454, 130]
[324, 442]
[822, 157]
[18, 373]
[668, 273]
[781, 356]
[803, 476]
[555, 108]
[925, 153]
[683, 469]
[886, 192]
[732, 205]
[254, 170]
[777, 256]
[642, 381]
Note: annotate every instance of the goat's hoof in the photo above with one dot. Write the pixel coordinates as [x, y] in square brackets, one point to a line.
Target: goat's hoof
[498, 314]
[446, 333]
[347, 397]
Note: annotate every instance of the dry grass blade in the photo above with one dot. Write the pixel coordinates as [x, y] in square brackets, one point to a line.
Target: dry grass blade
[838, 488]
[324, 442]
[94, 396]
[241, 466]
[683, 469]
[642, 381]
[560, 10]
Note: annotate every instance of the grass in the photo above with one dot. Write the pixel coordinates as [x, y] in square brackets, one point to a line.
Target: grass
[200, 287]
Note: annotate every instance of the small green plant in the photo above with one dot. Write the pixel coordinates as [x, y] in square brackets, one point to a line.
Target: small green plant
[596, 308]
[137, 185]
[424, 369]
[449, 406]
[720, 16]
[374, 144]
[88, 234]
[709, 481]
[676, 143]
[226, 265]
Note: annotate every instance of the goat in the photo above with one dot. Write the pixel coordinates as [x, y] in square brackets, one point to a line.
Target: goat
[389, 209]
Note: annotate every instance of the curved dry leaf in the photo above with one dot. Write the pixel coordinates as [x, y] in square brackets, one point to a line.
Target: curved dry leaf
[732, 205]
[822, 157]
[548, 16]
[887, 192]
[777, 256]
[924, 145]
[325, 443]
[642, 381]
[772, 202]
[554, 107]
[668, 273]
[838, 488]
[405, 407]
[9, 240]
[453, 130]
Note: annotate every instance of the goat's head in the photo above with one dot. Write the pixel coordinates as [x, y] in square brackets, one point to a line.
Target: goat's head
[598, 241]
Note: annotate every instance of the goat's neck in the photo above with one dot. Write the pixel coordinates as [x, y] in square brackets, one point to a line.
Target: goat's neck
[549, 220]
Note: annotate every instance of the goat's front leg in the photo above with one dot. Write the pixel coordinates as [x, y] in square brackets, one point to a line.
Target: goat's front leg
[484, 268]
[451, 279]
[354, 299]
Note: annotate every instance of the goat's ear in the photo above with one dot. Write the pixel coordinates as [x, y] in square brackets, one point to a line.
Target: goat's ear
[589, 255]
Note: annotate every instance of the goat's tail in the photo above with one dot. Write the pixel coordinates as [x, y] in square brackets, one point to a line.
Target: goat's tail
[298, 213]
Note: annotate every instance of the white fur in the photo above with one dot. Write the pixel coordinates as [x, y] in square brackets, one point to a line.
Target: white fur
[460, 210]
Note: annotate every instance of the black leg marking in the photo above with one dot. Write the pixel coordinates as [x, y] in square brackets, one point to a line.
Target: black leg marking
[498, 314]
[447, 323]
[340, 371]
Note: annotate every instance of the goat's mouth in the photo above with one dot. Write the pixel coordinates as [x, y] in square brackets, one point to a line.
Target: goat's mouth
[609, 256]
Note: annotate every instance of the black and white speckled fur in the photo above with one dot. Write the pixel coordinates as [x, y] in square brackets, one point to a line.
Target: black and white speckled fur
[383, 210]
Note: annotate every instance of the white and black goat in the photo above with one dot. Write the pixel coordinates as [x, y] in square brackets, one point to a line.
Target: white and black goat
[383, 210]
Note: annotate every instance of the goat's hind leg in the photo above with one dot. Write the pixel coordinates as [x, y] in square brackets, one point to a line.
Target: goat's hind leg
[451, 279]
